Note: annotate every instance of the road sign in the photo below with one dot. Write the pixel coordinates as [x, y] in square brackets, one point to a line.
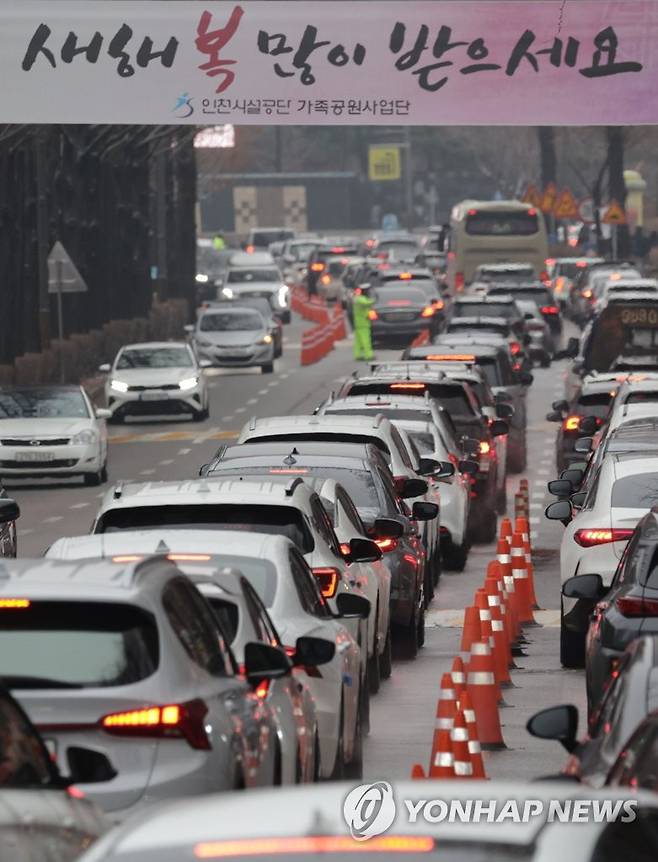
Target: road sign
[63, 276]
[548, 199]
[384, 163]
[566, 206]
[586, 211]
[614, 214]
[532, 196]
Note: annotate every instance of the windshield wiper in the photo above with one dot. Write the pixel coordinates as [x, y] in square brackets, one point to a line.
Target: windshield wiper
[37, 682]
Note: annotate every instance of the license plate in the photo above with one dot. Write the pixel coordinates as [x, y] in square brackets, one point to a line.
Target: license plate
[35, 457]
[51, 745]
[153, 396]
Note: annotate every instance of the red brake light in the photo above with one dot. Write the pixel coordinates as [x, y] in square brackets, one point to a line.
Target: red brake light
[399, 302]
[572, 423]
[326, 279]
[636, 606]
[345, 549]
[544, 276]
[250, 249]
[370, 243]
[337, 845]
[189, 558]
[581, 264]
[450, 357]
[328, 578]
[438, 304]
[262, 689]
[386, 545]
[173, 720]
[459, 281]
[515, 347]
[550, 261]
[590, 538]
[549, 309]
[288, 471]
[75, 792]
[372, 314]
[407, 386]
[472, 212]
[532, 211]
[317, 267]
[338, 249]
[428, 311]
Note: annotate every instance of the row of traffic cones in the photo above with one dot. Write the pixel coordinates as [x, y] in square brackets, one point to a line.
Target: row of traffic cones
[467, 718]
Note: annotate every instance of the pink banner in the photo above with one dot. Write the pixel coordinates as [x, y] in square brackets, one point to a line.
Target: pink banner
[436, 63]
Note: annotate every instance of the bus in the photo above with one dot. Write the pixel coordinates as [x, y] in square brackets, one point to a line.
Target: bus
[494, 232]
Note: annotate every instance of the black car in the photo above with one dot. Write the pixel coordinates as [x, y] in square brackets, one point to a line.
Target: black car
[417, 278]
[538, 293]
[580, 417]
[625, 610]
[507, 385]
[504, 307]
[631, 695]
[637, 765]
[364, 473]
[400, 313]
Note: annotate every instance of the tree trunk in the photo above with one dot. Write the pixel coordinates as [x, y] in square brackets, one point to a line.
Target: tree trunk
[547, 155]
[616, 184]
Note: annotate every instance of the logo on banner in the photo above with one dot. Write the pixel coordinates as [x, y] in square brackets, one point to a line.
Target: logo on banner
[369, 810]
[183, 107]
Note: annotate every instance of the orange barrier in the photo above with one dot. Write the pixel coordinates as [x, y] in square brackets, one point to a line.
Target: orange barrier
[339, 329]
[421, 339]
[316, 344]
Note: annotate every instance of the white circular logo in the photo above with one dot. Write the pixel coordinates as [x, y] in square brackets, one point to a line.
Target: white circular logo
[369, 810]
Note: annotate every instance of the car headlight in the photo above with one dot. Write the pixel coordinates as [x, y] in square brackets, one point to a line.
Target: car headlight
[266, 339]
[227, 292]
[84, 438]
[201, 277]
[119, 386]
[283, 295]
[188, 383]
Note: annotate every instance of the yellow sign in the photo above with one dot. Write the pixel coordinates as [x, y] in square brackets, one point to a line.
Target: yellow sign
[532, 196]
[384, 163]
[549, 198]
[614, 214]
[566, 206]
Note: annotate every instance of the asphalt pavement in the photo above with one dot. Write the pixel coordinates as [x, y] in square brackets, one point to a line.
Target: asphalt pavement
[402, 714]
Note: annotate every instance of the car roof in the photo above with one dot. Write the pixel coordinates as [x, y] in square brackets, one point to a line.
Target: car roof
[154, 345]
[320, 422]
[299, 447]
[632, 463]
[479, 320]
[589, 387]
[506, 267]
[411, 402]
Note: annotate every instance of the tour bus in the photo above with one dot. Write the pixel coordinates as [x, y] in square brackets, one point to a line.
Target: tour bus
[494, 232]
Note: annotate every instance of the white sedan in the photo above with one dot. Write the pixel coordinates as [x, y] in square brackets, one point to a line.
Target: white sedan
[285, 584]
[622, 491]
[50, 431]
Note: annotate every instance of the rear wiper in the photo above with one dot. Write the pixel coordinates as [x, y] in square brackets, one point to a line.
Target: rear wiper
[37, 682]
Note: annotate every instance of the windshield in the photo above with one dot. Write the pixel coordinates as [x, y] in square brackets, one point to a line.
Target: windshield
[231, 321]
[276, 520]
[160, 357]
[77, 644]
[246, 276]
[43, 404]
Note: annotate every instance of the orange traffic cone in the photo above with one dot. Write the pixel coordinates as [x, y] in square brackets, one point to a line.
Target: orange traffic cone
[502, 551]
[442, 762]
[521, 581]
[417, 772]
[496, 639]
[512, 597]
[505, 531]
[483, 691]
[522, 526]
[446, 706]
[458, 676]
[500, 631]
[474, 748]
[471, 631]
[499, 611]
[460, 751]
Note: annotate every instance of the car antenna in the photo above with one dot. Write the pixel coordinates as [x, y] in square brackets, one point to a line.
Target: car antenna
[289, 460]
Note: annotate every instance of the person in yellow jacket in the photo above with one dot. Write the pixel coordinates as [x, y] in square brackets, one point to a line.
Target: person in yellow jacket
[361, 307]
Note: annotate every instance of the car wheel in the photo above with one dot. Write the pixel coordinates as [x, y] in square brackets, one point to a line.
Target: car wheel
[517, 458]
[374, 677]
[421, 629]
[200, 415]
[286, 317]
[501, 500]
[455, 557]
[545, 360]
[268, 368]
[572, 646]
[407, 640]
[353, 770]
[386, 658]
[485, 529]
[92, 480]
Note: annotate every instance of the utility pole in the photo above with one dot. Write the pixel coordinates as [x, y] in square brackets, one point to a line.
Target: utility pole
[42, 241]
[408, 179]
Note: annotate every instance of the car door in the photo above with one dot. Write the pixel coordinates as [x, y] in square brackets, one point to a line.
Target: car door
[637, 765]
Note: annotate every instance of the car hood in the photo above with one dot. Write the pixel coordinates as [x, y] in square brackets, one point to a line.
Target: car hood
[43, 427]
[153, 376]
[232, 339]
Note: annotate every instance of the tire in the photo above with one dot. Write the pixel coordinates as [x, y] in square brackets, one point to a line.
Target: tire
[486, 529]
[386, 658]
[455, 557]
[364, 704]
[353, 771]
[407, 640]
[501, 500]
[338, 772]
[286, 317]
[374, 675]
[421, 630]
[93, 480]
[517, 459]
[104, 476]
[268, 368]
[200, 415]
[572, 647]
[545, 360]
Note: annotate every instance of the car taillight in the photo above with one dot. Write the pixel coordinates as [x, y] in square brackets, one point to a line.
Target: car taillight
[459, 281]
[572, 423]
[515, 347]
[592, 537]
[485, 448]
[386, 545]
[587, 293]
[345, 549]
[75, 792]
[372, 314]
[544, 276]
[317, 267]
[636, 606]
[328, 579]
[262, 689]
[326, 279]
[178, 720]
[250, 249]
[549, 309]
[438, 304]
[428, 311]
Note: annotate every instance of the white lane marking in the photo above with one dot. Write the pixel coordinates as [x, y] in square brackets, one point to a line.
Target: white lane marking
[534, 521]
[252, 401]
[273, 383]
[79, 506]
[543, 471]
[284, 376]
[146, 472]
[53, 519]
[205, 435]
[538, 495]
[262, 391]
[27, 532]
[533, 534]
[184, 451]
[536, 506]
[241, 410]
[166, 462]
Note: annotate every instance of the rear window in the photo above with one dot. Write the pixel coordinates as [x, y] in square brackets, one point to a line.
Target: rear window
[596, 404]
[491, 370]
[261, 573]
[329, 437]
[392, 294]
[486, 309]
[452, 398]
[501, 223]
[639, 491]
[424, 442]
[539, 297]
[478, 327]
[68, 644]
[275, 520]
[640, 397]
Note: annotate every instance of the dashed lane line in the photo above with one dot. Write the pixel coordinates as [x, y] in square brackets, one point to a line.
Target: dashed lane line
[183, 451]
[79, 506]
[252, 401]
[166, 462]
[53, 519]
[147, 472]
[262, 391]
[241, 410]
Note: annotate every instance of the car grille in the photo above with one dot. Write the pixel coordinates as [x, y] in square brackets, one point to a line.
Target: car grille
[39, 465]
[34, 441]
[399, 316]
[167, 387]
[229, 357]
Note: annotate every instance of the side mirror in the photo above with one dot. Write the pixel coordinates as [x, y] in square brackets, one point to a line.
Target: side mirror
[262, 661]
[363, 551]
[388, 528]
[87, 766]
[561, 405]
[469, 468]
[351, 606]
[9, 510]
[312, 652]
[583, 445]
[560, 511]
[572, 347]
[499, 428]
[504, 411]
[105, 368]
[560, 488]
[422, 511]
[556, 722]
[412, 488]
[573, 475]
[102, 413]
[554, 416]
[526, 377]
[445, 470]
[578, 499]
[428, 467]
[587, 587]
[189, 328]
